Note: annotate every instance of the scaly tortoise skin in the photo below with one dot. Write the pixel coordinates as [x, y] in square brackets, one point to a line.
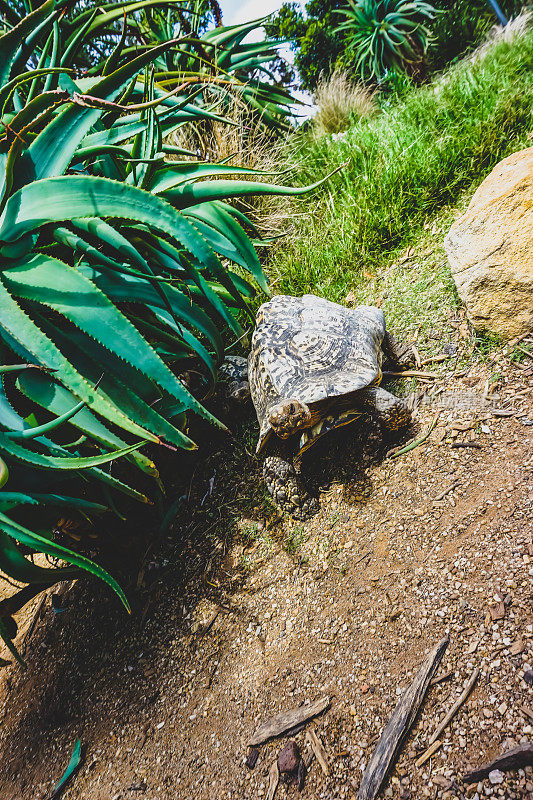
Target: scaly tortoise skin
[313, 367]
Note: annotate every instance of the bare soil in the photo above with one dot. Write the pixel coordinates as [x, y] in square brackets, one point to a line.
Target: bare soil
[239, 614]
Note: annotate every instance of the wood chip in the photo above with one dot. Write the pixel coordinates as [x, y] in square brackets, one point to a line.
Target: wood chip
[318, 750]
[398, 726]
[502, 412]
[273, 780]
[527, 711]
[473, 646]
[497, 611]
[517, 758]
[455, 708]
[286, 720]
[427, 755]
[517, 647]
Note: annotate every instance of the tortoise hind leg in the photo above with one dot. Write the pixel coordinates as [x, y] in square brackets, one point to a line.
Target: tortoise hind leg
[392, 413]
[285, 486]
[398, 356]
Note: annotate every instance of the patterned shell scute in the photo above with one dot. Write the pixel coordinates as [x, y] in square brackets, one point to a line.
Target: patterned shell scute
[311, 349]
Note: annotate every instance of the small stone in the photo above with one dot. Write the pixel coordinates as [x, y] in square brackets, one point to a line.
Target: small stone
[528, 677]
[496, 776]
[289, 757]
[502, 708]
[487, 712]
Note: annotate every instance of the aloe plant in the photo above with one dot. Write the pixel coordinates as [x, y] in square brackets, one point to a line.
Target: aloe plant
[386, 35]
[119, 269]
[217, 61]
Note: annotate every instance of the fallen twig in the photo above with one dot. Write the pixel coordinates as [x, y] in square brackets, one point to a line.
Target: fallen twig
[444, 492]
[475, 445]
[318, 750]
[441, 678]
[398, 726]
[427, 755]
[434, 359]
[273, 780]
[517, 758]
[412, 373]
[286, 720]
[455, 708]
[416, 442]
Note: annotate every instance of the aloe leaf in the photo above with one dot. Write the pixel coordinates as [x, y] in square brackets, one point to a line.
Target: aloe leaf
[16, 323]
[77, 40]
[190, 194]
[19, 568]
[54, 58]
[13, 499]
[78, 196]
[73, 765]
[51, 152]
[226, 236]
[115, 384]
[125, 288]
[47, 427]
[4, 473]
[10, 42]
[55, 398]
[15, 450]
[4, 635]
[43, 545]
[81, 301]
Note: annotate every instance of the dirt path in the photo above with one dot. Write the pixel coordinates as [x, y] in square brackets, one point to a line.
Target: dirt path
[237, 620]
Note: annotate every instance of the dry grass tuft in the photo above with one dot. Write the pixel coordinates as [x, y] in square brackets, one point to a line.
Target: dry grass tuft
[340, 101]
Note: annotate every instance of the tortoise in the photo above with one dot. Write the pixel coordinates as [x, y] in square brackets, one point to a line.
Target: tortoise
[315, 366]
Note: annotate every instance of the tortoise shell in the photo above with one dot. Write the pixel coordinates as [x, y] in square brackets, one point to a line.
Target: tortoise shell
[312, 350]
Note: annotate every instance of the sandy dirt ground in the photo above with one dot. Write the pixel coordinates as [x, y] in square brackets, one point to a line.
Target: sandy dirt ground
[240, 615]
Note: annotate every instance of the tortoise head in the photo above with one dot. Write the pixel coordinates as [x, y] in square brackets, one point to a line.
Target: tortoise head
[288, 417]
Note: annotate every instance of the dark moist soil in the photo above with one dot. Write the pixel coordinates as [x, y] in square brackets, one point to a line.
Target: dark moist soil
[239, 613]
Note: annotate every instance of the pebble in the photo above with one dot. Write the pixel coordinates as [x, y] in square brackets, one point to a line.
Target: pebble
[496, 776]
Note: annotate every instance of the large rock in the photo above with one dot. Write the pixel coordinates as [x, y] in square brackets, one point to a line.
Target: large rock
[490, 249]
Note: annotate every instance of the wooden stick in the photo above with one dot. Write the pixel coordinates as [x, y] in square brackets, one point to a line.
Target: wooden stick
[273, 780]
[412, 373]
[318, 750]
[456, 706]
[398, 726]
[475, 445]
[427, 755]
[286, 720]
[517, 758]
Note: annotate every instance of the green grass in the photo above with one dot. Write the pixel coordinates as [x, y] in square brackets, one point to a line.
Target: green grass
[409, 170]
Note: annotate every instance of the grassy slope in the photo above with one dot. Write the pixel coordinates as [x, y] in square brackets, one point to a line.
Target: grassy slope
[408, 171]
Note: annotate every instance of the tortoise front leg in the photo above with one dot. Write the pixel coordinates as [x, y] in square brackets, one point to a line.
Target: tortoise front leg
[392, 413]
[398, 356]
[286, 487]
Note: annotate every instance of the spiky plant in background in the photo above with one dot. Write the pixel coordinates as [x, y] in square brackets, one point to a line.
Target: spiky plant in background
[386, 35]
